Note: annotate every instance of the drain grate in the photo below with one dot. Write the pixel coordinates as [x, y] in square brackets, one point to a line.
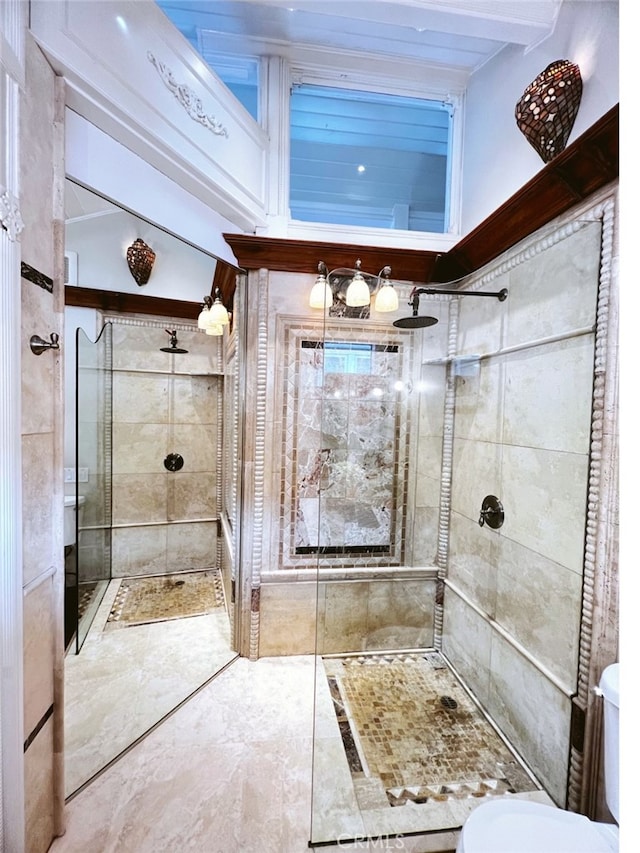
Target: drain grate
[448, 703]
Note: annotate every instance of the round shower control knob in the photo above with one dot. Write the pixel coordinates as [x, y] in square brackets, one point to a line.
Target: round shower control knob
[173, 462]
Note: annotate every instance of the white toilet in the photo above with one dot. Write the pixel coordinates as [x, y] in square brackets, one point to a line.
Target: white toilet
[70, 518]
[512, 825]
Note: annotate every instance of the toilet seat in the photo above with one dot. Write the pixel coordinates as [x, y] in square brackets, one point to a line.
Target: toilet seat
[519, 826]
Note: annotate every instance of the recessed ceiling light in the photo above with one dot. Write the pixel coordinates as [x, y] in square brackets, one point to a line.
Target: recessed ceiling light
[362, 168]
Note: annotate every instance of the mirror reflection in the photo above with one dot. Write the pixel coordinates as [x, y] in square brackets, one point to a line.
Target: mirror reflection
[146, 616]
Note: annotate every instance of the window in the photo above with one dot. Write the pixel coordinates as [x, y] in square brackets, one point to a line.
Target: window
[369, 159]
[240, 75]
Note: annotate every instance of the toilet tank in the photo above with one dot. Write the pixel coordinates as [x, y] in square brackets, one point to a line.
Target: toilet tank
[611, 695]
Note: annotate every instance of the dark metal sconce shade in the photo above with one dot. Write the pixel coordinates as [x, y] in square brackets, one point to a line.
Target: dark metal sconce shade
[140, 258]
[548, 108]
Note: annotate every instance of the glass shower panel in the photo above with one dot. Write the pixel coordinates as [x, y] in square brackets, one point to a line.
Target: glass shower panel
[368, 605]
[93, 475]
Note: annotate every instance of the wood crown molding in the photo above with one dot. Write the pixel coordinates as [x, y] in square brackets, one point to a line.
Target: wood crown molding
[130, 303]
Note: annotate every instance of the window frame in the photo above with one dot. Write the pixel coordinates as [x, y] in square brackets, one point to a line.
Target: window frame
[310, 74]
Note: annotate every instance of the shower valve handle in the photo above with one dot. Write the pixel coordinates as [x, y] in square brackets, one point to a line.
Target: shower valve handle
[491, 512]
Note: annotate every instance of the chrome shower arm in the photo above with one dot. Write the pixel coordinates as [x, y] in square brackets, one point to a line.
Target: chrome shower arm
[434, 291]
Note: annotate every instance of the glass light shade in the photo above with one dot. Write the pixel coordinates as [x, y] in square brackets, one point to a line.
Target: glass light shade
[386, 298]
[321, 294]
[203, 318]
[358, 292]
[214, 329]
[218, 314]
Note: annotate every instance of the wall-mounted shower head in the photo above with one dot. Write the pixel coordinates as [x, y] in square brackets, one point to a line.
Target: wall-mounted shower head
[174, 343]
[415, 322]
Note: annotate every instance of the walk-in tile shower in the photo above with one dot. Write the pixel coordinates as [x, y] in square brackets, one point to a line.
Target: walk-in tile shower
[396, 445]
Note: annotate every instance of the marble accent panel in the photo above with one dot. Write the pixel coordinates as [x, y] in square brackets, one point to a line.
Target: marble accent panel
[345, 428]
[548, 396]
[38, 787]
[38, 547]
[192, 546]
[538, 307]
[138, 498]
[473, 562]
[537, 728]
[548, 594]
[39, 653]
[466, 642]
[543, 493]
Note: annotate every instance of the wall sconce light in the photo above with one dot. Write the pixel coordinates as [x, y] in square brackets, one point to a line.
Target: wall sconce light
[140, 259]
[360, 288]
[548, 108]
[214, 316]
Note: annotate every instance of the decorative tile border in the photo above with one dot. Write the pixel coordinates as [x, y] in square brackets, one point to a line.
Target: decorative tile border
[36, 277]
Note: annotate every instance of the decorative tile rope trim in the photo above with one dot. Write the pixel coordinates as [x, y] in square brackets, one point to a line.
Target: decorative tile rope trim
[597, 531]
[187, 98]
[259, 460]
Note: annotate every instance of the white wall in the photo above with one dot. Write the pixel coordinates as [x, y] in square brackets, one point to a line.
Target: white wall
[101, 242]
[498, 160]
[96, 160]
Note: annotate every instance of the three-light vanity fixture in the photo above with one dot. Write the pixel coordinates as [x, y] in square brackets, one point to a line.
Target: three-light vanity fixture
[360, 289]
[214, 316]
[362, 286]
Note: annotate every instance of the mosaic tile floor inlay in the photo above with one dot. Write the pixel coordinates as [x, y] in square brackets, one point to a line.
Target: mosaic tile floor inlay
[407, 721]
[155, 599]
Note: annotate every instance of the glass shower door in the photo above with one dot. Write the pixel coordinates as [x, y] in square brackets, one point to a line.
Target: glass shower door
[93, 476]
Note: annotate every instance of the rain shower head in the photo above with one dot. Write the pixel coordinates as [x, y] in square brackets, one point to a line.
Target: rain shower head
[415, 322]
[174, 343]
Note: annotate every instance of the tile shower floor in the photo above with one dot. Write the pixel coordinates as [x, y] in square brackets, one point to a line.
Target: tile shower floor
[418, 751]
